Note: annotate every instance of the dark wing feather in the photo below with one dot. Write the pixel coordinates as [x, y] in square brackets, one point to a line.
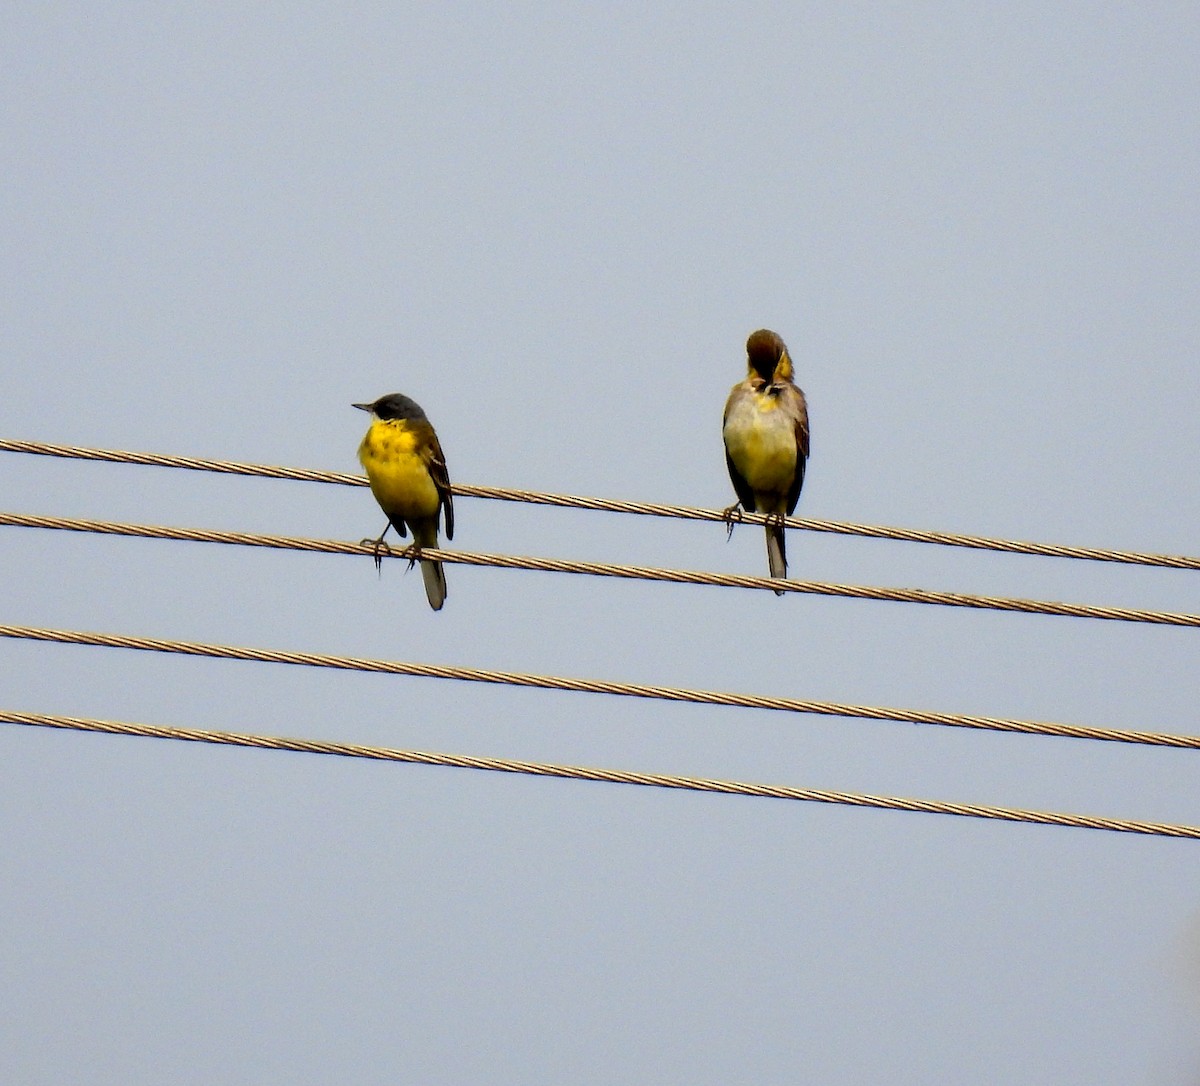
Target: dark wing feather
[436, 463]
[799, 409]
[740, 486]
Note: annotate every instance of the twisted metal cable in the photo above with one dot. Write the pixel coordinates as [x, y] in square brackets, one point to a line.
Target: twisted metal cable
[599, 686]
[613, 776]
[609, 569]
[168, 460]
[654, 509]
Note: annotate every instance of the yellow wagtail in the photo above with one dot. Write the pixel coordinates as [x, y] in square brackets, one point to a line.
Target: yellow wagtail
[408, 477]
[766, 440]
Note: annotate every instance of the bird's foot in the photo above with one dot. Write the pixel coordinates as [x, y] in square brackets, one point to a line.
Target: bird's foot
[378, 549]
[412, 552]
[732, 517]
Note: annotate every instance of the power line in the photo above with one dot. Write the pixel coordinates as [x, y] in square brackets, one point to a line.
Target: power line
[596, 686]
[570, 501]
[614, 776]
[609, 569]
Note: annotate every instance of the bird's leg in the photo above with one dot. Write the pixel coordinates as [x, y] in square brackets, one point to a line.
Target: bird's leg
[412, 552]
[732, 517]
[378, 548]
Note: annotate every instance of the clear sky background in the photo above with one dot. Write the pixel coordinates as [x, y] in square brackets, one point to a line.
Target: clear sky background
[553, 226]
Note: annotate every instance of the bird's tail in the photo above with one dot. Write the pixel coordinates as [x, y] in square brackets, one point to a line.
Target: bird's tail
[776, 553]
[435, 582]
[432, 573]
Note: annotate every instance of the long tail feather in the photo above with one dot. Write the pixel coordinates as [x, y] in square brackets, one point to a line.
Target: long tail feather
[776, 553]
[432, 573]
[435, 582]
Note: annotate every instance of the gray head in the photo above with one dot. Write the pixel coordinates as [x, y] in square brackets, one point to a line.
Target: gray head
[394, 405]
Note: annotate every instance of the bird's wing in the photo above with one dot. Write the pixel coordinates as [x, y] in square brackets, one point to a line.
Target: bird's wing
[799, 411]
[436, 465]
[740, 486]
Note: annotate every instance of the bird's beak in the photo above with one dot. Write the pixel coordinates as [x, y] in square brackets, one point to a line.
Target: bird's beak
[362, 406]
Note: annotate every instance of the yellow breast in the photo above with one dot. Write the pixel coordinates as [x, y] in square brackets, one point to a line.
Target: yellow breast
[390, 454]
[761, 440]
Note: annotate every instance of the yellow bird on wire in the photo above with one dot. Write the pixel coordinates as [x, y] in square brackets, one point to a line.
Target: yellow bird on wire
[766, 441]
[407, 471]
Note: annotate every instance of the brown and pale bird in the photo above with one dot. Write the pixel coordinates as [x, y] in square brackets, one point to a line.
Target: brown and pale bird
[766, 440]
[408, 476]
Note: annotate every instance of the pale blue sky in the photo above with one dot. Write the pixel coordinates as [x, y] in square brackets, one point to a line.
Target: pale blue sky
[554, 226]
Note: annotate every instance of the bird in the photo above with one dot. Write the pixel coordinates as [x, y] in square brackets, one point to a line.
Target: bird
[407, 472]
[765, 429]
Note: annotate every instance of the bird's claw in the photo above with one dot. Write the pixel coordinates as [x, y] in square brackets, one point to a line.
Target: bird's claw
[412, 552]
[378, 549]
[732, 517]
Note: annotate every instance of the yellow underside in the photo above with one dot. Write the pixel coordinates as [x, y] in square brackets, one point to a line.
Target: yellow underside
[399, 478]
[762, 444]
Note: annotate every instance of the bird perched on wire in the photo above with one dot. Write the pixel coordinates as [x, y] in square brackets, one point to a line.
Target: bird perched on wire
[766, 440]
[407, 472]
